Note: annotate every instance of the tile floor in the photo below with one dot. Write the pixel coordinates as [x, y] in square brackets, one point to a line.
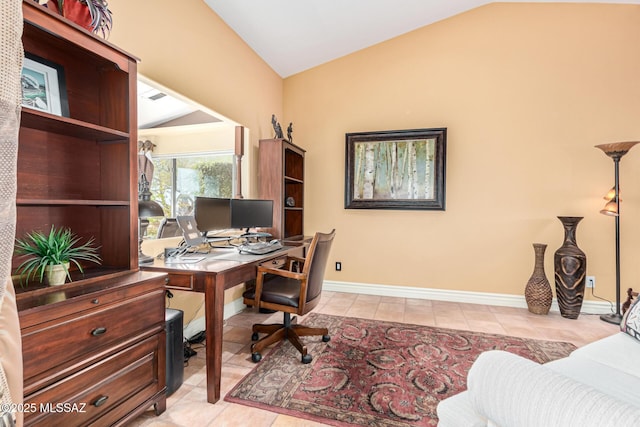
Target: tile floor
[188, 407]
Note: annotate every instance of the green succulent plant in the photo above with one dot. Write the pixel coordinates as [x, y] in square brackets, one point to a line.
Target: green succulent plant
[60, 246]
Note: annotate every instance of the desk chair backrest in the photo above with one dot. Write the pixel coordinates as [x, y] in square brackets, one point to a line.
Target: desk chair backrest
[316, 263]
[169, 227]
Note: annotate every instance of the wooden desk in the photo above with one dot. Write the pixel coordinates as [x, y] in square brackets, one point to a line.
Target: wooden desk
[220, 270]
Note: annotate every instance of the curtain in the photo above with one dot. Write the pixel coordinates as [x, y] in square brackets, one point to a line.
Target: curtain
[11, 56]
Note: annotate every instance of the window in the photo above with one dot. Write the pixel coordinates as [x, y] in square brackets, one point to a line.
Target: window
[177, 180]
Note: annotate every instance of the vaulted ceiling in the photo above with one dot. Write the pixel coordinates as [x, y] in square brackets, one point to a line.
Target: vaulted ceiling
[295, 35]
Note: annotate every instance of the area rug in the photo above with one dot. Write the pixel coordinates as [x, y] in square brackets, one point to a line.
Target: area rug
[375, 373]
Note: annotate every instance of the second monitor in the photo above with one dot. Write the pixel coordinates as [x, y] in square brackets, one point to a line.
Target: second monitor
[251, 213]
[214, 214]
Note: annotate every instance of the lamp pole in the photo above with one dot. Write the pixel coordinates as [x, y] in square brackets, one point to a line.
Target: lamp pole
[616, 150]
[616, 317]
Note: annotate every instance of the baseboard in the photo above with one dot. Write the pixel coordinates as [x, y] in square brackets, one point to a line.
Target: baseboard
[198, 324]
[504, 300]
[233, 308]
[486, 298]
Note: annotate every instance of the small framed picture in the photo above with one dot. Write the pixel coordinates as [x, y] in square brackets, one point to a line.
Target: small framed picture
[43, 86]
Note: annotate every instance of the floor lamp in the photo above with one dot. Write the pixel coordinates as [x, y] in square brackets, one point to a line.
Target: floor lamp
[615, 150]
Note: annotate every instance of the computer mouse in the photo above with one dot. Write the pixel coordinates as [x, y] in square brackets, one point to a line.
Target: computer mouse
[273, 242]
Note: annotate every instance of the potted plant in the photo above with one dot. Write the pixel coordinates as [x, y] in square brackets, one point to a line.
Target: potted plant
[53, 252]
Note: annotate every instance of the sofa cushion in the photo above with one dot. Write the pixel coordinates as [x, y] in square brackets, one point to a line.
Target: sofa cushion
[618, 351]
[456, 411]
[609, 380]
[631, 320]
[513, 391]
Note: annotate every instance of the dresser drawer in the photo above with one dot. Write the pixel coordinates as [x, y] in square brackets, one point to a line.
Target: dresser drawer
[58, 342]
[103, 392]
[72, 299]
[180, 281]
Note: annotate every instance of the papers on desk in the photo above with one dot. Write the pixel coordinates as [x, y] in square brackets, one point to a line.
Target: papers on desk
[183, 259]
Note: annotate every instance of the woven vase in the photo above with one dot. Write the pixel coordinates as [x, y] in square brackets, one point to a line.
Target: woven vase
[538, 293]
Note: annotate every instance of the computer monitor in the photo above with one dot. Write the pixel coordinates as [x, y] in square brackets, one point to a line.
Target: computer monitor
[251, 213]
[212, 214]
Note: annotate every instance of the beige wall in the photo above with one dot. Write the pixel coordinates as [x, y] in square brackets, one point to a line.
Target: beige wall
[526, 91]
[205, 138]
[186, 47]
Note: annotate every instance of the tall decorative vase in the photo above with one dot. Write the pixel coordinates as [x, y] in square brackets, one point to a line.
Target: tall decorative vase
[570, 265]
[537, 292]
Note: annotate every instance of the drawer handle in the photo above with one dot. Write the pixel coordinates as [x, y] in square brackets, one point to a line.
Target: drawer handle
[98, 331]
[100, 401]
[95, 301]
[166, 280]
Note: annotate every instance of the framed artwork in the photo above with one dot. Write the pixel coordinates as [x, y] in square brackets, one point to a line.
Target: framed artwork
[43, 86]
[401, 169]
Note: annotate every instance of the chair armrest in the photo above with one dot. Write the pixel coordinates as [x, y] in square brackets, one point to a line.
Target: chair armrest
[296, 258]
[291, 259]
[280, 272]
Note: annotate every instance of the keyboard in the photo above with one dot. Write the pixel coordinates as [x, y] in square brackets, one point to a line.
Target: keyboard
[260, 248]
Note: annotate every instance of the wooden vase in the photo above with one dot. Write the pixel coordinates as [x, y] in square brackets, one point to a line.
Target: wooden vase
[537, 292]
[570, 265]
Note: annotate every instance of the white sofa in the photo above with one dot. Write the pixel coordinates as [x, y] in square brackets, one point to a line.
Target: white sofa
[597, 385]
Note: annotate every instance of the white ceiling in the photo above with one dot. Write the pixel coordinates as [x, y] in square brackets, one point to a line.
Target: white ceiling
[156, 107]
[159, 107]
[295, 35]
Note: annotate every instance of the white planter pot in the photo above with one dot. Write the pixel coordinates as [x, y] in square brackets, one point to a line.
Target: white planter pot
[57, 274]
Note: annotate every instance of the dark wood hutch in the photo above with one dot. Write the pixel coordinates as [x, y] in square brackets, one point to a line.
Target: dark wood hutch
[98, 341]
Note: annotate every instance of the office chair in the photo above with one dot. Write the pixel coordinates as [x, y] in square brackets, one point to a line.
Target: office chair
[293, 289]
[169, 227]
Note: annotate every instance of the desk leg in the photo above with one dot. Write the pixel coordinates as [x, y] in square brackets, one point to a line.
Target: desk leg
[214, 319]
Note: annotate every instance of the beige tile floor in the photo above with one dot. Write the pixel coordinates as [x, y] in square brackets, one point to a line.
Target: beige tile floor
[188, 407]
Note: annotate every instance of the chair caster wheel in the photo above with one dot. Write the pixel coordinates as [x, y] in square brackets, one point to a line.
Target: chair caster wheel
[254, 336]
[256, 357]
[307, 358]
[326, 338]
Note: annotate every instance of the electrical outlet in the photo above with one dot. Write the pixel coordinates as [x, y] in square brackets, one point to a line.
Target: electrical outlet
[591, 281]
[338, 266]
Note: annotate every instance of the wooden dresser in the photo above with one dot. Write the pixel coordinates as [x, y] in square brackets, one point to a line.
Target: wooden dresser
[94, 353]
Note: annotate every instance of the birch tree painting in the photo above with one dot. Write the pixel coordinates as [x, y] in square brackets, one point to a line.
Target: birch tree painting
[402, 169]
[394, 169]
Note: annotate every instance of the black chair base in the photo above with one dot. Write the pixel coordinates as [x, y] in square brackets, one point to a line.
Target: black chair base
[287, 330]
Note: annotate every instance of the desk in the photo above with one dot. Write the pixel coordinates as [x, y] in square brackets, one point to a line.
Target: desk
[219, 270]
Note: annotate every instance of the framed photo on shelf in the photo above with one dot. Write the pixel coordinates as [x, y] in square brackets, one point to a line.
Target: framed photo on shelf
[401, 169]
[43, 86]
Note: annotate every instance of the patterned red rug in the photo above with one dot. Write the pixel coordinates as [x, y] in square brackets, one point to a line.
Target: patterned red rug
[375, 373]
